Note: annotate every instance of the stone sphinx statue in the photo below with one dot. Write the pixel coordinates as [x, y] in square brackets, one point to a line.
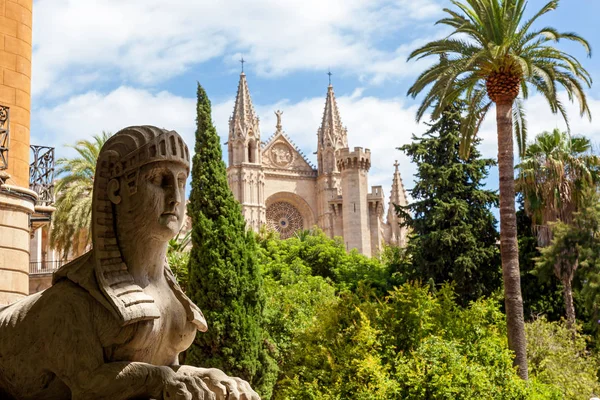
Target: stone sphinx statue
[115, 320]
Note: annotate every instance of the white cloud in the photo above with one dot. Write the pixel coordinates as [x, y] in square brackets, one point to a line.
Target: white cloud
[91, 113]
[148, 41]
[381, 125]
[540, 119]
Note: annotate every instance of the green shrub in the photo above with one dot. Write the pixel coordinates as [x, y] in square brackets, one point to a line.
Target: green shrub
[410, 345]
[321, 256]
[557, 358]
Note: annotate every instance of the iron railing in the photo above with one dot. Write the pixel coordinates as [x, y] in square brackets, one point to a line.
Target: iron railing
[4, 136]
[41, 174]
[45, 267]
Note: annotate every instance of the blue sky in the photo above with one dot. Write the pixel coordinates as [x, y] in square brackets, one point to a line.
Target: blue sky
[103, 65]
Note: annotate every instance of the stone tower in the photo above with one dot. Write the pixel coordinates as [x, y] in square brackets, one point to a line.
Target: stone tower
[332, 137]
[397, 233]
[16, 200]
[354, 166]
[245, 175]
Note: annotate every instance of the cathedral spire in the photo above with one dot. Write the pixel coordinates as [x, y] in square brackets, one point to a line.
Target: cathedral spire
[244, 121]
[397, 197]
[332, 133]
[332, 136]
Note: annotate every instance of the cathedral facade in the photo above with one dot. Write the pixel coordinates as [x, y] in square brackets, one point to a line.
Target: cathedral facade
[278, 187]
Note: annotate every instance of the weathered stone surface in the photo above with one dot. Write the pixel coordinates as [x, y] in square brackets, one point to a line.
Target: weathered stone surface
[114, 322]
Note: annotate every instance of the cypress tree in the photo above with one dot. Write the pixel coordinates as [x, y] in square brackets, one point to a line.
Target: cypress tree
[224, 278]
[453, 232]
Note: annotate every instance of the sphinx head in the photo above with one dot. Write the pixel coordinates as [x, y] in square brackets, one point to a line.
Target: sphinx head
[157, 208]
[142, 172]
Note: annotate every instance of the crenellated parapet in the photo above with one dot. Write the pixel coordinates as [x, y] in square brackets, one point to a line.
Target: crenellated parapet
[359, 158]
[376, 201]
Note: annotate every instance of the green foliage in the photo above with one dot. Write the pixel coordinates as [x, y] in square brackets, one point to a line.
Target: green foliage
[179, 243]
[411, 344]
[577, 243]
[540, 296]
[557, 358]
[494, 52]
[554, 176]
[453, 230]
[179, 258]
[224, 278]
[71, 222]
[321, 256]
[292, 302]
[492, 39]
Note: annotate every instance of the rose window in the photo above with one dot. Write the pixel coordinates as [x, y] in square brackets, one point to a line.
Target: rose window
[284, 218]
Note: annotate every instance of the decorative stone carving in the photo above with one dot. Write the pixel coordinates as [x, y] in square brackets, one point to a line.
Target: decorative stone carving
[278, 114]
[281, 154]
[284, 218]
[114, 322]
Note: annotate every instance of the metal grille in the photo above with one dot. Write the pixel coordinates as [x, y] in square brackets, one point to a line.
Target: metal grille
[41, 174]
[4, 136]
[45, 267]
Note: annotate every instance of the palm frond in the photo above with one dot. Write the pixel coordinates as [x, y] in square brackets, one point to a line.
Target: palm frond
[71, 222]
[492, 36]
[555, 172]
[520, 126]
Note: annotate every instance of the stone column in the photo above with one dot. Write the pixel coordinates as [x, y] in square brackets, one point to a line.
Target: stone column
[16, 200]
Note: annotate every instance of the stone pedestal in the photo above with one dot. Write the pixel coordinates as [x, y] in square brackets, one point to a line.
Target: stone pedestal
[16, 204]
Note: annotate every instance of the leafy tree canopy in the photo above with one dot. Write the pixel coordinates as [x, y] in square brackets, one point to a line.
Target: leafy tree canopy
[453, 232]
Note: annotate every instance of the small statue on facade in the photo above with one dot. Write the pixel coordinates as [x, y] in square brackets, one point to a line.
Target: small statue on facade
[278, 114]
[114, 322]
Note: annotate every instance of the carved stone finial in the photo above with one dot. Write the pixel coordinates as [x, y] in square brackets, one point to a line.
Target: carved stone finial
[396, 165]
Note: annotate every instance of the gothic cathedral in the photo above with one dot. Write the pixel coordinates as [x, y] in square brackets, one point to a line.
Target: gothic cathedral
[277, 186]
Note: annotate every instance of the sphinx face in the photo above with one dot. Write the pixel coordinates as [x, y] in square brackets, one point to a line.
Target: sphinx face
[157, 208]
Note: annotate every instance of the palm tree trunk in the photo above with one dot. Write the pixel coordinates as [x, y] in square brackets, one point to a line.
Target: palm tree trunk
[569, 306]
[509, 249]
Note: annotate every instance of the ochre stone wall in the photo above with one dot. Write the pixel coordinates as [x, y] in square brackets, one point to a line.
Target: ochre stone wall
[15, 82]
[16, 201]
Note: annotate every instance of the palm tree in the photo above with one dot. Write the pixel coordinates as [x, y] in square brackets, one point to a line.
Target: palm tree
[555, 177]
[71, 222]
[492, 55]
